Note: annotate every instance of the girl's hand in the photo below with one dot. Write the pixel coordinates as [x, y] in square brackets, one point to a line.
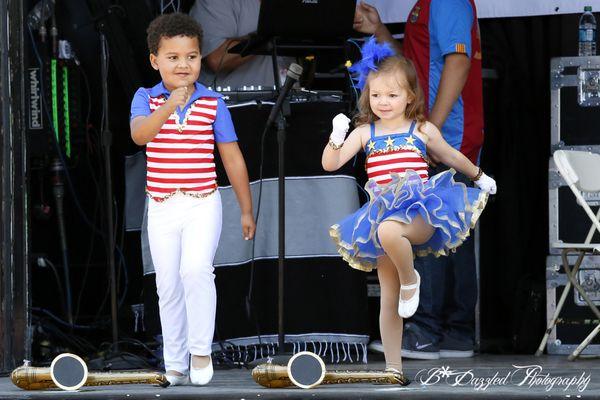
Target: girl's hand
[248, 226]
[340, 123]
[486, 184]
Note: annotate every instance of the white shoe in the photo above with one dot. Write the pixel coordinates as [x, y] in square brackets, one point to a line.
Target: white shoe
[201, 376]
[407, 308]
[177, 380]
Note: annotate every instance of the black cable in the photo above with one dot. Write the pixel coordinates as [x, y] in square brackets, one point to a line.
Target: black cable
[121, 354]
[59, 152]
[227, 360]
[60, 321]
[252, 262]
[362, 189]
[122, 258]
[57, 145]
[249, 305]
[108, 351]
[92, 143]
[107, 293]
[135, 342]
[87, 265]
[58, 282]
[80, 346]
[88, 92]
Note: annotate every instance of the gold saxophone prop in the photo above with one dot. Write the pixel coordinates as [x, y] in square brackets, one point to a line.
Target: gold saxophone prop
[36, 378]
[279, 376]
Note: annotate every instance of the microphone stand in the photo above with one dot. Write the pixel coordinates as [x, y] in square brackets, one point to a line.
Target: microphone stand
[278, 113]
[58, 189]
[106, 144]
[281, 110]
[281, 136]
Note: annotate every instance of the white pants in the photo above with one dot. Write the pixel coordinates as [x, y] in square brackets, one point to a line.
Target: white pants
[184, 233]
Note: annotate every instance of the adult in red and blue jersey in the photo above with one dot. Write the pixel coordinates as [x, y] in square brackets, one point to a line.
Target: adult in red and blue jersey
[442, 39]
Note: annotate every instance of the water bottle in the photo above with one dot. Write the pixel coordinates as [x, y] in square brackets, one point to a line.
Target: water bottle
[587, 33]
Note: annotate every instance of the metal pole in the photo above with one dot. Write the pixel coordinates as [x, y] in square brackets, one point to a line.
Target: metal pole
[15, 296]
[281, 205]
[106, 143]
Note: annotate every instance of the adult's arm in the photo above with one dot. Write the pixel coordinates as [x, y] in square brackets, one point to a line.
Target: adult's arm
[220, 60]
[453, 79]
[367, 20]
[220, 30]
[451, 22]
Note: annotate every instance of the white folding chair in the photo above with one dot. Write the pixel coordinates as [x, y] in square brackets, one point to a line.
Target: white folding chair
[581, 171]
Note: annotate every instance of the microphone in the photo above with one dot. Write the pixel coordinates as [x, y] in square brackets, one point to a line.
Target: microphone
[41, 12]
[293, 74]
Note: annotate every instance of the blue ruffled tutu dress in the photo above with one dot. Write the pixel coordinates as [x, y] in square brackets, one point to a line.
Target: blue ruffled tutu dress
[399, 190]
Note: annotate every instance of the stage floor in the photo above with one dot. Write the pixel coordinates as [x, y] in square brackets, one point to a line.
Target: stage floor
[506, 377]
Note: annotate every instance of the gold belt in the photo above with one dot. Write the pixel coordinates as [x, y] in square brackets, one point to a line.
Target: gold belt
[183, 192]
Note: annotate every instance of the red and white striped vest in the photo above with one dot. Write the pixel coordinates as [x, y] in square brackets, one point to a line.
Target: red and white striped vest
[181, 156]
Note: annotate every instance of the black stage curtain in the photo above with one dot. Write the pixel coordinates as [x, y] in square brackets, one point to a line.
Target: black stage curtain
[514, 228]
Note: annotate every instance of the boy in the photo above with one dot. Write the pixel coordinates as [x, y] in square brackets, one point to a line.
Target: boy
[179, 121]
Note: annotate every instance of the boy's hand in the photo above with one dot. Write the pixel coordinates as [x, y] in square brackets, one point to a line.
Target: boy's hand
[248, 226]
[178, 98]
[340, 123]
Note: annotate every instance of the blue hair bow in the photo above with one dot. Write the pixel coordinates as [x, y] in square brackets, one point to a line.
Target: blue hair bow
[373, 54]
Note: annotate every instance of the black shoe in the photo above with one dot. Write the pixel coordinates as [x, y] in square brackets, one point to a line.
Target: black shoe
[418, 346]
[455, 348]
[376, 346]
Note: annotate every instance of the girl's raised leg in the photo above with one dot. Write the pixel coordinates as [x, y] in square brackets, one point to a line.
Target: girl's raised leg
[390, 323]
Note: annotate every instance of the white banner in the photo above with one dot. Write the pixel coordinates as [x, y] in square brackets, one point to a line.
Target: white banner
[397, 10]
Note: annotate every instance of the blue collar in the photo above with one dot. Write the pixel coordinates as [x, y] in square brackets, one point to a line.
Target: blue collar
[199, 91]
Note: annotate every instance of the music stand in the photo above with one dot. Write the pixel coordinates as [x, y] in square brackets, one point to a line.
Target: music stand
[294, 28]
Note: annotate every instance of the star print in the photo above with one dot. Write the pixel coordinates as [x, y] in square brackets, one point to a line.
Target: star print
[389, 142]
[371, 146]
[410, 140]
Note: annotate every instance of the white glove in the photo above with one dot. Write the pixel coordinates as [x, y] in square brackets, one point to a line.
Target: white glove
[340, 123]
[486, 184]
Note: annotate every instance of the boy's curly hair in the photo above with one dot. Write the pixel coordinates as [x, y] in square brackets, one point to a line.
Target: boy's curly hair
[171, 25]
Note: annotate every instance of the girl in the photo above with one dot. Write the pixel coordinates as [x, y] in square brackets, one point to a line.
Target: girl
[408, 212]
[180, 121]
